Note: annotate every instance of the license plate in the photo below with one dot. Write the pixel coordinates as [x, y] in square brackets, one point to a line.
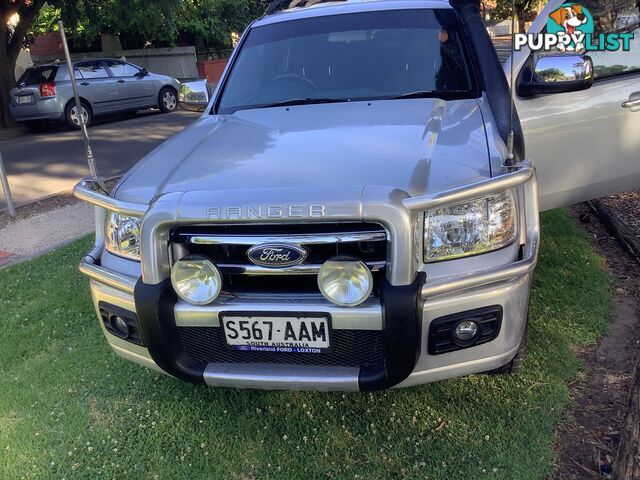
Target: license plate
[281, 334]
[25, 99]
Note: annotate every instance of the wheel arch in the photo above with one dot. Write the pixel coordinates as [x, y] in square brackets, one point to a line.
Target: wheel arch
[82, 99]
[162, 87]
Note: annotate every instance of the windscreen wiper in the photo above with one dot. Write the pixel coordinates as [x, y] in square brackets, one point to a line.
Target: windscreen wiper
[304, 101]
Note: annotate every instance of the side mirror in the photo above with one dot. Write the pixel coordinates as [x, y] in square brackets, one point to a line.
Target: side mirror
[143, 72]
[555, 74]
[194, 95]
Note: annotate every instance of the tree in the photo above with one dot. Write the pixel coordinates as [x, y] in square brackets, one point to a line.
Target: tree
[525, 11]
[16, 16]
[150, 20]
[215, 20]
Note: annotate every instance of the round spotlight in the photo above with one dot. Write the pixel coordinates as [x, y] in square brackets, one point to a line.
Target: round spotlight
[120, 326]
[466, 331]
[345, 281]
[196, 280]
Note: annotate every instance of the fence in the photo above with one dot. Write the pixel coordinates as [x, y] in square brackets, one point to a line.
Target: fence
[178, 62]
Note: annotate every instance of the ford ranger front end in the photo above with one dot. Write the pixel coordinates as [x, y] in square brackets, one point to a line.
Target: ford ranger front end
[328, 223]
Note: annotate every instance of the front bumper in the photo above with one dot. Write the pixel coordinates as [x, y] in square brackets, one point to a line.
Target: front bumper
[404, 312]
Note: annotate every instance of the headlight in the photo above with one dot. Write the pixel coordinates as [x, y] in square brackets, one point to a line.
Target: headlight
[122, 235]
[468, 228]
[345, 281]
[196, 280]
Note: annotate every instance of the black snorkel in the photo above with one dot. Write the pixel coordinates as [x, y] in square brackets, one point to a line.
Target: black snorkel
[492, 78]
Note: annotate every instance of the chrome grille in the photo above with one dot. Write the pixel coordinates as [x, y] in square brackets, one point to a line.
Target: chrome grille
[227, 247]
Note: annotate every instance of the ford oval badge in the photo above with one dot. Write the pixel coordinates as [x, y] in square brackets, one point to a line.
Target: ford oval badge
[276, 255]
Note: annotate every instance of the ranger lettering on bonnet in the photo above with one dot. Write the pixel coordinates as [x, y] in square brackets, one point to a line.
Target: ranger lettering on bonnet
[354, 209]
[249, 212]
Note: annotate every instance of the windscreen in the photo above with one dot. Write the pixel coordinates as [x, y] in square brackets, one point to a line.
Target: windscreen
[38, 75]
[361, 56]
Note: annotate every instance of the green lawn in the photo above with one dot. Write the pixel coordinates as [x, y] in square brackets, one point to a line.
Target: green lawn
[70, 409]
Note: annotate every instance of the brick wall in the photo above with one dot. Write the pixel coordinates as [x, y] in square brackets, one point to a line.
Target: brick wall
[47, 45]
[212, 69]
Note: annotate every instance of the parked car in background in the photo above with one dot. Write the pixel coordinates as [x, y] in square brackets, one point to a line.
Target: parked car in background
[44, 93]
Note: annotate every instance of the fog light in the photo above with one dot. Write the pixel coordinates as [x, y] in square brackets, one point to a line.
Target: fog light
[345, 281]
[120, 326]
[466, 330]
[196, 280]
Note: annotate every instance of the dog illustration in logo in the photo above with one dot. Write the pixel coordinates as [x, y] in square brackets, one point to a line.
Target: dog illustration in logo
[570, 18]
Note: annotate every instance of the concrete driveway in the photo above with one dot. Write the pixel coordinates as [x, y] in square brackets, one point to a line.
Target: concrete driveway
[43, 164]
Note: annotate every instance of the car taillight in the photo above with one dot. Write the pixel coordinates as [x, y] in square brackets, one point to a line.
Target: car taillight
[47, 89]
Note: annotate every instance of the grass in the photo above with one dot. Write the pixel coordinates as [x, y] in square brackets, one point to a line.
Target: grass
[70, 409]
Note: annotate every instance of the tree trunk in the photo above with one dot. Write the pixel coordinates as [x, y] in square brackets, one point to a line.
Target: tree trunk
[7, 76]
[627, 463]
[10, 46]
[7, 81]
[521, 26]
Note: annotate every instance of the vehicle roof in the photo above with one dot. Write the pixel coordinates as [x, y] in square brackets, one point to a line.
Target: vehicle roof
[57, 63]
[348, 6]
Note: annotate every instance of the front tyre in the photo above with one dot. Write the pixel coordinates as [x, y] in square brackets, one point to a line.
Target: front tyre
[167, 100]
[72, 118]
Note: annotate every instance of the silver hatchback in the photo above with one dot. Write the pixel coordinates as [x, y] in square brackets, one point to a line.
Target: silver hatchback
[44, 93]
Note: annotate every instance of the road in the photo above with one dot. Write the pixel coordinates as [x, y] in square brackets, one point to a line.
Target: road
[503, 47]
[43, 164]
